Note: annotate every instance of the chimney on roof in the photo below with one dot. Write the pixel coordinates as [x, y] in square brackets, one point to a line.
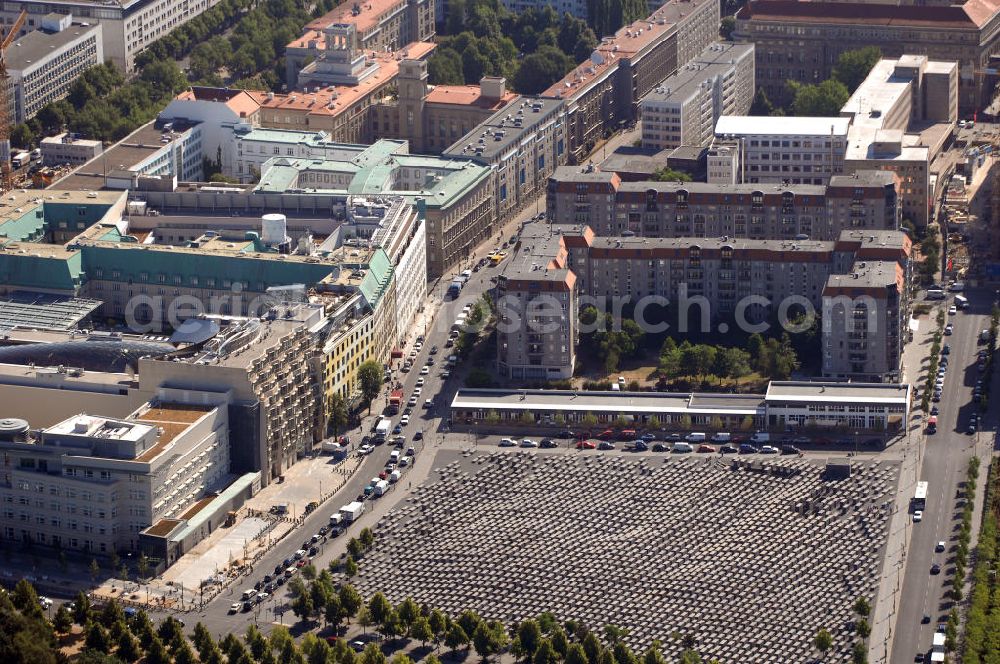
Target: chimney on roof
[492, 87]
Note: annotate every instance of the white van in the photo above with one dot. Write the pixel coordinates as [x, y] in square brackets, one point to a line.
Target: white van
[336, 519]
[248, 595]
[683, 448]
[394, 476]
[721, 437]
[695, 438]
[394, 456]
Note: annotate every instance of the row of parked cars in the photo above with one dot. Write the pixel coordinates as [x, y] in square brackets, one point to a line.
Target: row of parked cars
[284, 571]
[643, 445]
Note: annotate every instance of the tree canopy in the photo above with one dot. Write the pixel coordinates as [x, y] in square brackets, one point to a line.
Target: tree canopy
[819, 100]
[853, 66]
[482, 38]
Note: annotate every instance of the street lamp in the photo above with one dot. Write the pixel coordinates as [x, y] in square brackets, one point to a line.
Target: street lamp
[855, 443]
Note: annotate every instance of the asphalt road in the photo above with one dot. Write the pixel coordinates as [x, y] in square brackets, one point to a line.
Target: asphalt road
[943, 466]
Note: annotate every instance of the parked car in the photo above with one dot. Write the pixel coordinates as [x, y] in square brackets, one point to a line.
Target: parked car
[682, 448]
[659, 447]
[507, 442]
[565, 433]
[769, 449]
[527, 442]
[606, 445]
[790, 449]
[730, 449]
[586, 445]
[918, 516]
[747, 448]
[548, 443]
[706, 449]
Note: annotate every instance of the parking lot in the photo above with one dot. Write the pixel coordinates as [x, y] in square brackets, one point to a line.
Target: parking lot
[749, 556]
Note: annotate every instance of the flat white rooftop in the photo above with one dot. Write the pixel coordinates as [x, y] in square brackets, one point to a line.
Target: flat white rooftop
[746, 125]
[838, 392]
[91, 426]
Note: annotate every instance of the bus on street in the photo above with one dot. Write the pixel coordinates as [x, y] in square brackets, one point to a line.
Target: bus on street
[920, 496]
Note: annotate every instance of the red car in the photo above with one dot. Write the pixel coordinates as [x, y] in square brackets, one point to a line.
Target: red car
[302, 563]
[707, 449]
[607, 434]
[332, 639]
[586, 445]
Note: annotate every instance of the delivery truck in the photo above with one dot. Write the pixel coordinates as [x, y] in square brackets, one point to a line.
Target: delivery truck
[382, 430]
[352, 511]
[395, 401]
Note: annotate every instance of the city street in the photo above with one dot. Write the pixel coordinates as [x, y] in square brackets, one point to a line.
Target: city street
[943, 462]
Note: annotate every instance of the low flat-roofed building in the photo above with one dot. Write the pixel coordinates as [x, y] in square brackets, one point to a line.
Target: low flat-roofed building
[151, 153]
[43, 64]
[66, 148]
[796, 150]
[786, 406]
[454, 195]
[843, 406]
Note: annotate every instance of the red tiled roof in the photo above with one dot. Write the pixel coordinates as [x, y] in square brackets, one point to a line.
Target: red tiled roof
[466, 95]
[973, 13]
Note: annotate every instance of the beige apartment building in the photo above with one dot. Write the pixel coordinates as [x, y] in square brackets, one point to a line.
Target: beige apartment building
[865, 313]
[537, 308]
[432, 117]
[705, 279]
[603, 93]
[523, 143]
[697, 209]
[683, 109]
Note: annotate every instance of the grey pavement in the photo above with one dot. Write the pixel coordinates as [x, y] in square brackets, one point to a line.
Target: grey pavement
[943, 459]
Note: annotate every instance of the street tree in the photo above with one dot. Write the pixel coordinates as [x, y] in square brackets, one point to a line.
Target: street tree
[372, 655]
[420, 630]
[456, 637]
[528, 636]
[350, 600]
[370, 379]
[544, 653]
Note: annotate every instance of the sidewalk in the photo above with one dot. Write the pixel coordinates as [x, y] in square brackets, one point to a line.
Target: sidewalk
[885, 610]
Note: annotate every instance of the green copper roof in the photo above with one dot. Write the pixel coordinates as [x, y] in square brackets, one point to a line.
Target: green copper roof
[257, 274]
[43, 272]
[377, 277]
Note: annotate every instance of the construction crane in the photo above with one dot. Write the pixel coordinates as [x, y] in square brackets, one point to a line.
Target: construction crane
[7, 102]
